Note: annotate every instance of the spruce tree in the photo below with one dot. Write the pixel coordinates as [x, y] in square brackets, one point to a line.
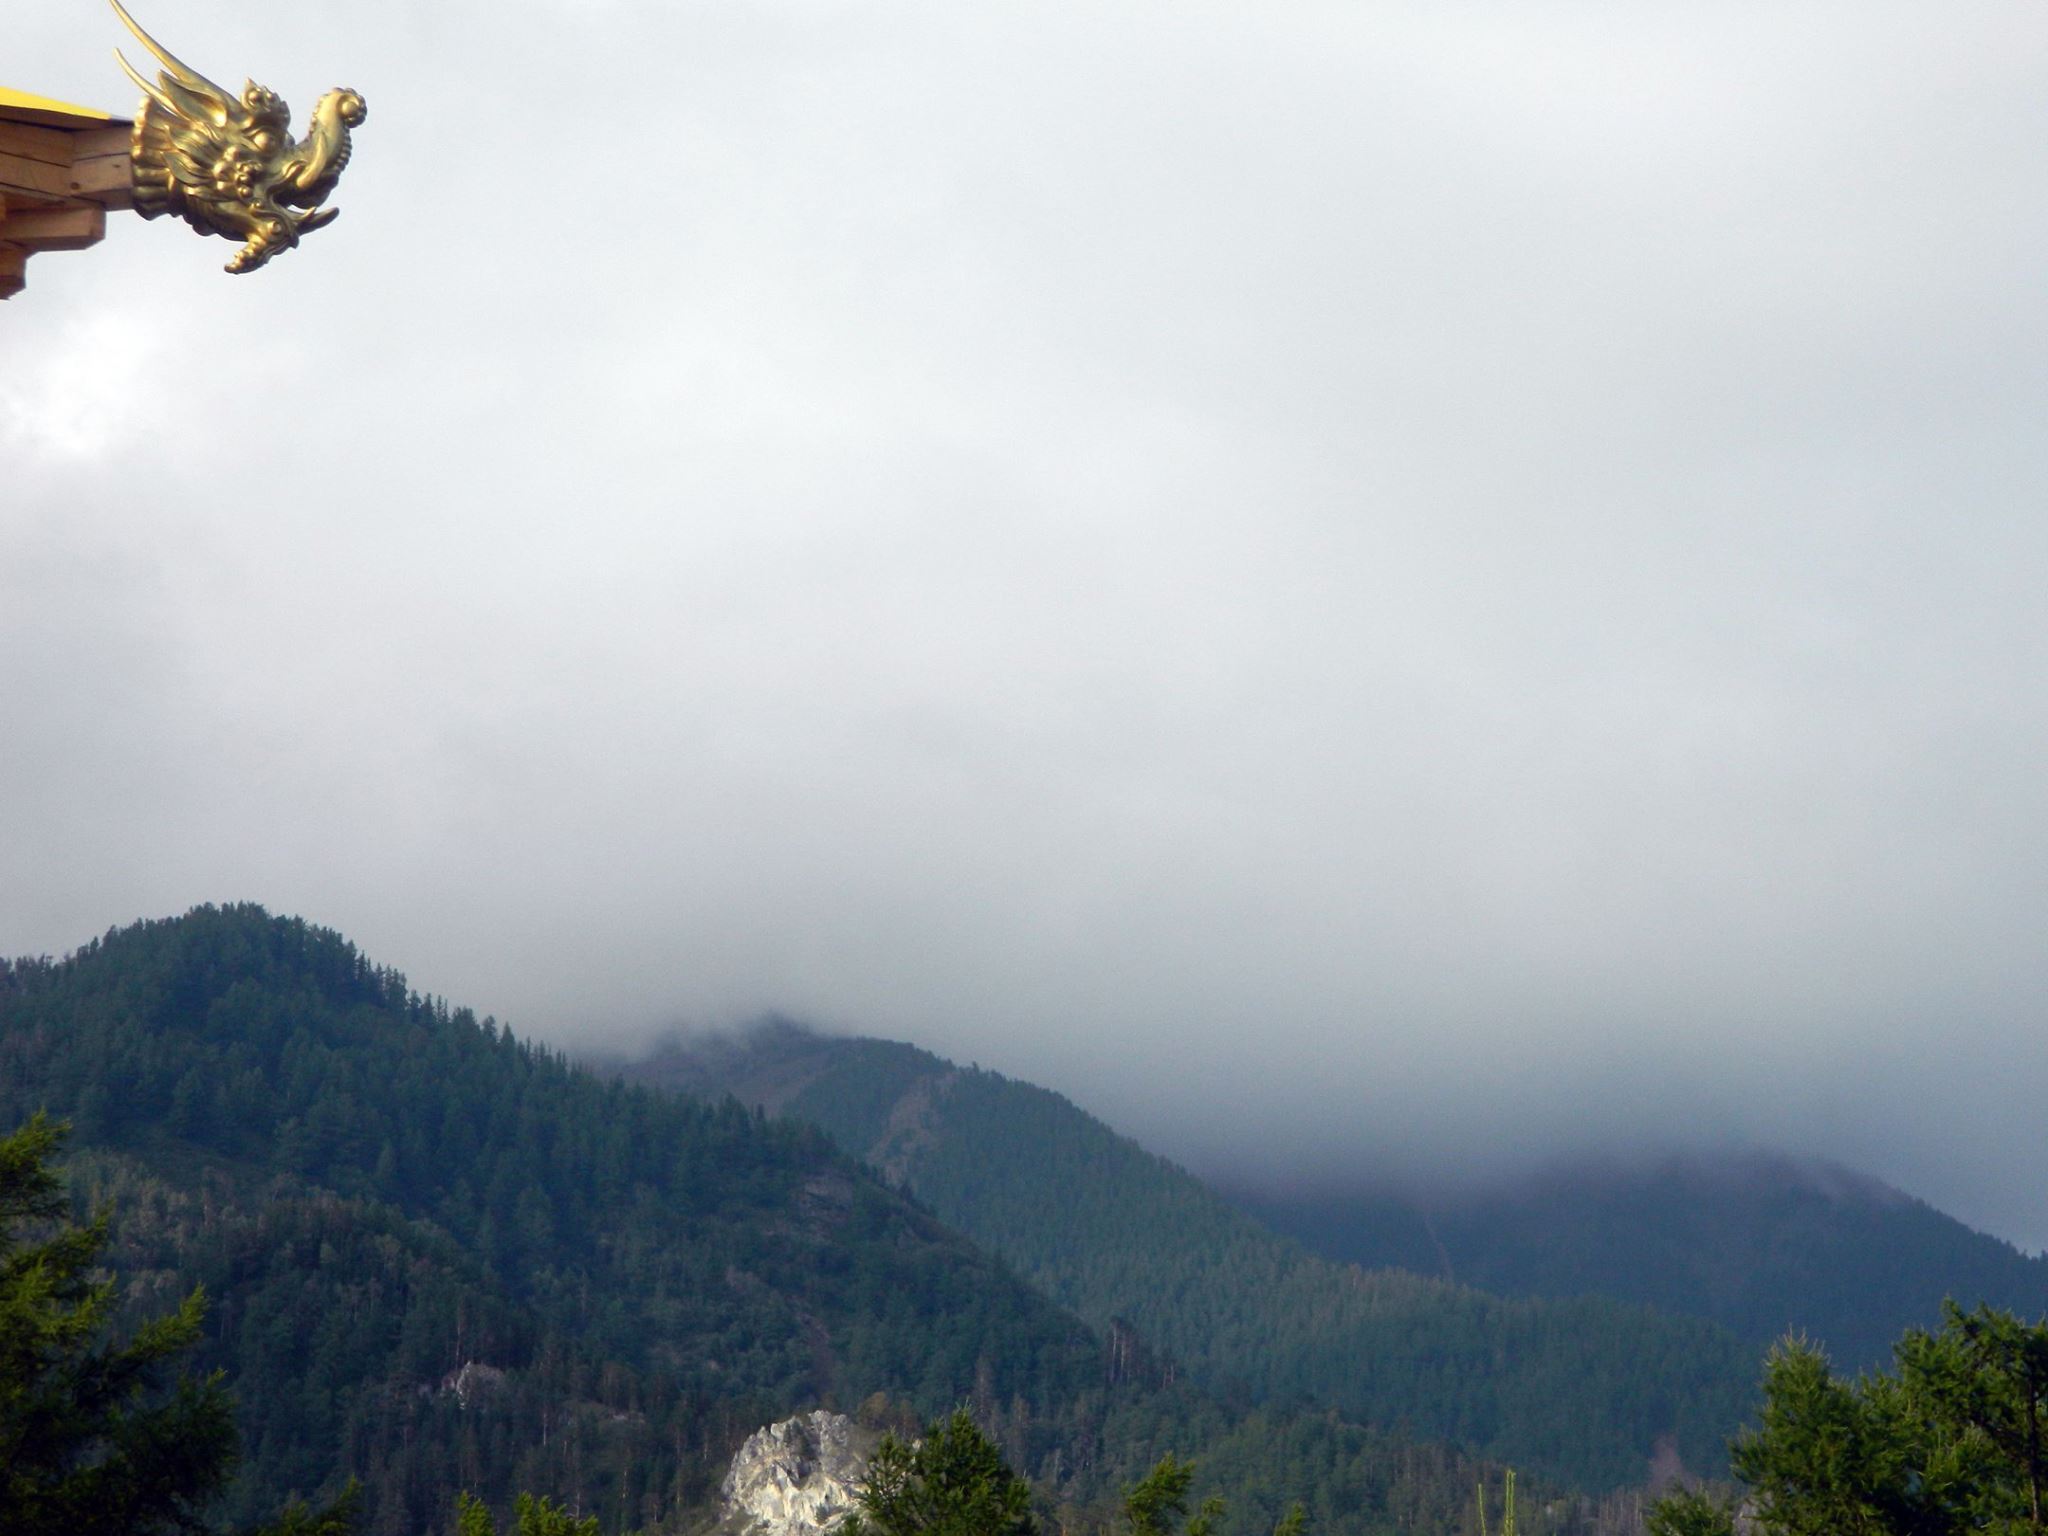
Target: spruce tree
[953, 1482]
[93, 1440]
[1949, 1443]
[1160, 1499]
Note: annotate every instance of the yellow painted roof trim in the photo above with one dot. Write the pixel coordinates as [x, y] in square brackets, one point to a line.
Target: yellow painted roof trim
[44, 109]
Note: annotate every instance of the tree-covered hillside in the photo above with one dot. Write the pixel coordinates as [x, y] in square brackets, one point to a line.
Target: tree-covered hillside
[441, 1258]
[1582, 1389]
[382, 1193]
[1765, 1245]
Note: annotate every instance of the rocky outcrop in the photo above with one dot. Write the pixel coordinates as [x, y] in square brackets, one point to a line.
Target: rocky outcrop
[474, 1383]
[797, 1477]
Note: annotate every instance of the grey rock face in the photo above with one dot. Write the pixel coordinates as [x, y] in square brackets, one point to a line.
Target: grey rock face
[797, 1477]
[474, 1383]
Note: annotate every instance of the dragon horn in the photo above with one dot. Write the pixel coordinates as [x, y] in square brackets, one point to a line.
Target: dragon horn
[149, 89]
[181, 72]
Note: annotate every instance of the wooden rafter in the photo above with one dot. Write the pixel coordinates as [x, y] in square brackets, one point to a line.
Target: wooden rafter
[61, 169]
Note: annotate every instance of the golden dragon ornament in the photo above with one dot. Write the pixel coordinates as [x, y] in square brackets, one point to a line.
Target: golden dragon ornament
[228, 165]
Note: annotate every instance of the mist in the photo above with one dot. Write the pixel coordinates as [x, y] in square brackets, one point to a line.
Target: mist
[1413, 586]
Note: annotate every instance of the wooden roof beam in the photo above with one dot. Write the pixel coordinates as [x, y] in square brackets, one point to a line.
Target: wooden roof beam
[60, 171]
[55, 229]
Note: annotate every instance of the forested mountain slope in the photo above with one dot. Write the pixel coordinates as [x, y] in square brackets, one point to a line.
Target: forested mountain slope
[394, 1190]
[440, 1258]
[1583, 1389]
[1764, 1245]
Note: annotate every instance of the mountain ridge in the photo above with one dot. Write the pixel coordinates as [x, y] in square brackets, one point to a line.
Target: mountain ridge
[1584, 1389]
[379, 1191]
[1758, 1241]
[1763, 1242]
[441, 1257]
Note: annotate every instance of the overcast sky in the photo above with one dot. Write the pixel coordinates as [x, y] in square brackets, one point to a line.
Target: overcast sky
[1401, 585]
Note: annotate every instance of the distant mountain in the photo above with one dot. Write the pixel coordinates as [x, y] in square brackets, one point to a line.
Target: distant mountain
[1584, 1389]
[442, 1258]
[383, 1195]
[1758, 1243]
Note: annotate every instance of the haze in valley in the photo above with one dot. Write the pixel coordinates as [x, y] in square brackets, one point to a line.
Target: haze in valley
[1387, 585]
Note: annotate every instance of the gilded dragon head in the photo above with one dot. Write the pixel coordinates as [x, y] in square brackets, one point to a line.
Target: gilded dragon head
[228, 165]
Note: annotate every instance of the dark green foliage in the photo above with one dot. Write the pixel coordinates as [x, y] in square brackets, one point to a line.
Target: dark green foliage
[93, 1441]
[1157, 1503]
[1986, 1374]
[1762, 1245]
[91, 1438]
[535, 1517]
[1263, 1461]
[1951, 1442]
[1580, 1389]
[540, 1517]
[953, 1482]
[1833, 1456]
[384, 1192]
[1689, 1513]
[337, 1518]
[443, 1259]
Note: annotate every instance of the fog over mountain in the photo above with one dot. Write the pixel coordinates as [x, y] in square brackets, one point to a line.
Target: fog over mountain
[1422, 585]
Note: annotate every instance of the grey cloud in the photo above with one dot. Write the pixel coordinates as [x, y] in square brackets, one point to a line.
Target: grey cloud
[1432, 584]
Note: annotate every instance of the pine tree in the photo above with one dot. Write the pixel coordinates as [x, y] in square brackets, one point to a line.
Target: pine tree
[1950, 1443]
[1160, 1498]
[534, 1517]
[953, 1482]
[92, 1441]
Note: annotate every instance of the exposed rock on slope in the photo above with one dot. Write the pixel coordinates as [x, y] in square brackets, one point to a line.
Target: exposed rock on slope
[797, 1477]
